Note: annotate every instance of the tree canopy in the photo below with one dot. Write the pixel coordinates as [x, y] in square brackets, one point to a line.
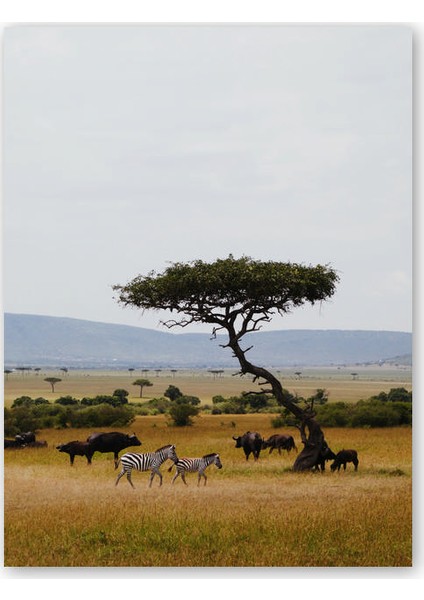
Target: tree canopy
[238, 296]
[229, 290]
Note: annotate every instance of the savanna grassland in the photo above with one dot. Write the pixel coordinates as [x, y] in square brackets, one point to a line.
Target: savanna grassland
[249, 514]
[337, 381]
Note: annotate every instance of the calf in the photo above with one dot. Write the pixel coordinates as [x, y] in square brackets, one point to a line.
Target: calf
[77, 448]
[325, 454]
[343, 457]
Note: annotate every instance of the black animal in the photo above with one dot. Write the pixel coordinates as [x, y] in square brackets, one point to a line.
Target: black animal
[77, 448]
[343, 457]
[25, 438]
[251, 442]
[325, 454]
[13, 444]
[112, 442]
[279, 442]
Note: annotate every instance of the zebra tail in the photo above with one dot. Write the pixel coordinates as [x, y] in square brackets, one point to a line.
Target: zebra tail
[171, 467]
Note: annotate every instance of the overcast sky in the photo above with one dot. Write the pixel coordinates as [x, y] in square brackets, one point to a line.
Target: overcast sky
[130, 147]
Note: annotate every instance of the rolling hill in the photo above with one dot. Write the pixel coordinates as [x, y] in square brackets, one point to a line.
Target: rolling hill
[33, 340]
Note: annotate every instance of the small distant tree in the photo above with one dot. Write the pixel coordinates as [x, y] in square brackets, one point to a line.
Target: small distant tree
[173, 392]
[52, 381]
[320, 397]
[142, 383]
[122, 395]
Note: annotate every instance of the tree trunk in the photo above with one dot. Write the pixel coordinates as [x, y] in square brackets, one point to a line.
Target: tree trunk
[314, 441]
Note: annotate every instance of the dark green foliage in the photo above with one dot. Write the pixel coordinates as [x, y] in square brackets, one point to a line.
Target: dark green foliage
[122, 395]
[395, 395]
[181, 414]
[66, 401]
[198, 289]
[27, 414]
[173, 393]
[23, 401]
[320, 397]
[101, 416]
[377, 411]
[193, 400]
[103, 399]
[154, 406]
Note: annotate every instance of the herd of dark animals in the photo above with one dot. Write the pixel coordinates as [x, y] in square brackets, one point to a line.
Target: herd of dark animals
[250, 442]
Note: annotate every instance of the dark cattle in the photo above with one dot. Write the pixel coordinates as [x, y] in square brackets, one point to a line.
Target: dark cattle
[25, 438]
[77, 448]
[13, 444]
[325, 454]
[112, 442]
[279, 442]
[251, 442]
[343, 457]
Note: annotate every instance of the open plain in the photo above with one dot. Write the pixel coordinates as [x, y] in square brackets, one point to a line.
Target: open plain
[250, 514]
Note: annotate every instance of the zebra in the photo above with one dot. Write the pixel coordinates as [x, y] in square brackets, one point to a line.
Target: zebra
[145, 462]
[193, 465]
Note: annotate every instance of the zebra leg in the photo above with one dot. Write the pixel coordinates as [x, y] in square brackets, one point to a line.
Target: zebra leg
[183, 477]
[119, 476]
[175, 476]
[129, 479]
[155, 472]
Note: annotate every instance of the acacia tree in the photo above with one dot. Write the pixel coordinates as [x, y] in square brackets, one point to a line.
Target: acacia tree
[238, 296]
[142, 383]
[52, 381]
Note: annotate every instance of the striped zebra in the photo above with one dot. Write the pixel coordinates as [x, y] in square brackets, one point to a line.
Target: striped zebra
[150, 461]
[195, 465]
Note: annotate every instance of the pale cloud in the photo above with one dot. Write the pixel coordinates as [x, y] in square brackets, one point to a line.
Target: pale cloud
[129, 147]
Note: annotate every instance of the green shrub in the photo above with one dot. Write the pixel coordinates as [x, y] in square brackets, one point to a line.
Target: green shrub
[181, 414]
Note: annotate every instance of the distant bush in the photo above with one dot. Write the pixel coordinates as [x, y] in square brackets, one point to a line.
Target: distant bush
[154, 406]
[101, 416]
[181, 414]
[27, 414]
[66, 401]
[377, 411]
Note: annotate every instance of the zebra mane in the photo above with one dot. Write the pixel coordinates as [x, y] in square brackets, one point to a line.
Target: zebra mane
[163, 447]
[210, 455]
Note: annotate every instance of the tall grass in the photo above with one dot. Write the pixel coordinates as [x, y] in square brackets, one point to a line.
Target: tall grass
[248, 514]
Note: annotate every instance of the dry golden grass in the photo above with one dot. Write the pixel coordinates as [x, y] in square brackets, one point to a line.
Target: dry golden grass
[338, 383]
[249, 514]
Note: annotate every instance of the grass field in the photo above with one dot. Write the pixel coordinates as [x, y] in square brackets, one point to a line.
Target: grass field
[338, 382]
[248, 514]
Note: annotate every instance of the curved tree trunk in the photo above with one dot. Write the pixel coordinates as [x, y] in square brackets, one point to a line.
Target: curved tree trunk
[312, 439]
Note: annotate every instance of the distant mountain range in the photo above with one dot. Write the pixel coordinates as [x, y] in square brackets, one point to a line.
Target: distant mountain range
[33, 340]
